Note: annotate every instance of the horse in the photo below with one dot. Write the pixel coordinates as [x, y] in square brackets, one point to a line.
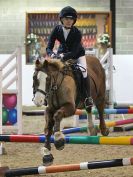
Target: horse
[54, 82]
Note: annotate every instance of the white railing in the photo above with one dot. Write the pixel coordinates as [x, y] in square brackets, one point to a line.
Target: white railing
[4, 89]
[107, 63]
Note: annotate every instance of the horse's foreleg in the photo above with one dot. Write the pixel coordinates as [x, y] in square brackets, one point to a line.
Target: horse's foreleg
[91, 127]
[65, 111]
[48, 130]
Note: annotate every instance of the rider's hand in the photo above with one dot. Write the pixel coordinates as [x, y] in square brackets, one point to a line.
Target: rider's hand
[58, 56]
[61, 55]
[53, 55]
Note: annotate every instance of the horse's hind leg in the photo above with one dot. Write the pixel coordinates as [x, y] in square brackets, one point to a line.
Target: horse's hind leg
[48, 130]
[65, 111]
[91, 128]
[102, 126]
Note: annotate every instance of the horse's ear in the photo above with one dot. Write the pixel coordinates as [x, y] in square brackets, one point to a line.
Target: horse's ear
[45, 63]
[37, 63]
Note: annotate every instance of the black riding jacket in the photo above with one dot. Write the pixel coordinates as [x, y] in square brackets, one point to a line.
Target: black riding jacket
[71, 47]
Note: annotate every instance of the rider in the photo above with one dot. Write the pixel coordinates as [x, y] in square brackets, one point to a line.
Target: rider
[70, 45]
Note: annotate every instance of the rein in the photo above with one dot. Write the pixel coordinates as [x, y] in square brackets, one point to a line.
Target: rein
[54, 87]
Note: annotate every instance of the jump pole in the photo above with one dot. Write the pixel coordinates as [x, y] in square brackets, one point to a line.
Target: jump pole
[34, 113]
[121, 140]
[66, 168]
[108, 124]
[123, 129]
[123, 105]
[106, 111]
[83, 112]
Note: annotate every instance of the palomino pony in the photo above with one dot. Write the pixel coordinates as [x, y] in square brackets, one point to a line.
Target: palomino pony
[60, 91]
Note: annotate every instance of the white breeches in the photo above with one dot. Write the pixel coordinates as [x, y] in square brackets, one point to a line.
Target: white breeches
[82, 62]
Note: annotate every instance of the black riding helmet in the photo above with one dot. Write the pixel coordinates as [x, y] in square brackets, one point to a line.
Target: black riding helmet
[68, 12]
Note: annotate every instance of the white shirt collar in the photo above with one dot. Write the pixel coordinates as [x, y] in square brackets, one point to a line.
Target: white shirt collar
[65, 32]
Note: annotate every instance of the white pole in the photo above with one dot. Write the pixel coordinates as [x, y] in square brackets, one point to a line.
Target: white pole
[111, 78]
[1, 108]
[19, 88]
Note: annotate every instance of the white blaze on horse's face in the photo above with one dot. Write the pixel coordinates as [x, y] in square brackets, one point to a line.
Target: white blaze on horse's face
[40, 97]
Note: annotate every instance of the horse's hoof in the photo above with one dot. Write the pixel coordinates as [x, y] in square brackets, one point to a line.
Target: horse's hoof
[59, 140]
[60, 144]
[106, 132]
[48, 160]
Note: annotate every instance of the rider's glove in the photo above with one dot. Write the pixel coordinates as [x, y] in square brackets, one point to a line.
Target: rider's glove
[53, 55]
[58, 56]
[62, 57]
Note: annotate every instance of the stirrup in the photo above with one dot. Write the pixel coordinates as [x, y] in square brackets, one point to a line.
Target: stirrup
[88, 102]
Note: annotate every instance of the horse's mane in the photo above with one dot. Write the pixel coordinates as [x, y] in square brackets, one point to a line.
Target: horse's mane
[57, 63]
[49, 65]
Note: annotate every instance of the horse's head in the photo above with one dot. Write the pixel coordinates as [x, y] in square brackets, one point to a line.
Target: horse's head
[39, 84]
[47, 68]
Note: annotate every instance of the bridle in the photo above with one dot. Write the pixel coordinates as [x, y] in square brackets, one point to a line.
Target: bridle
[53, 83]
[36, 84]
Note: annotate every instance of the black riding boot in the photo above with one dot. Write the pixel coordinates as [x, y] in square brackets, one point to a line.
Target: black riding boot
[88, 100]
